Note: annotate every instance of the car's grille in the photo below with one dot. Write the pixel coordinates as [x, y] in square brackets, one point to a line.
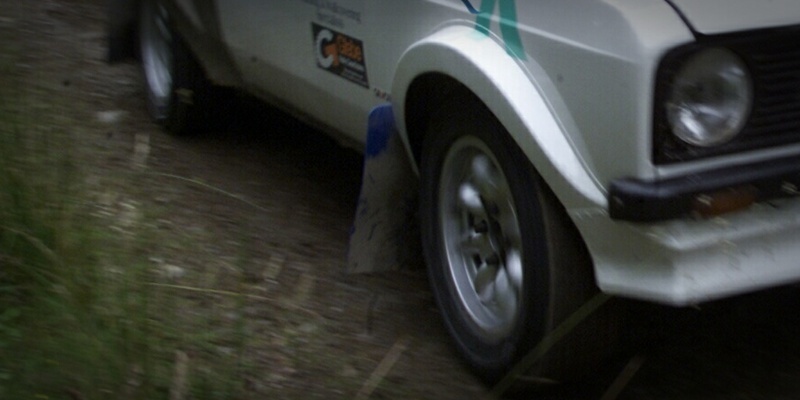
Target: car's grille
[776, 69]
[773, 57]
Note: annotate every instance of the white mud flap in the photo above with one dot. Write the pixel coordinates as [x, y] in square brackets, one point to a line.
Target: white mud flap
[385, 234]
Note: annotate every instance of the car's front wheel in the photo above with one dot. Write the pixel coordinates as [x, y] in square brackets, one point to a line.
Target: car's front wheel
[505, 263]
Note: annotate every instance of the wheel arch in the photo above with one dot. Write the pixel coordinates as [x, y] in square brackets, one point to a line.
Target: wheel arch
[122, 16]
[460, 61]
[195, 20]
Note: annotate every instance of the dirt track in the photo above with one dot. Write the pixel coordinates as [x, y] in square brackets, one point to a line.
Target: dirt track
[275, 199]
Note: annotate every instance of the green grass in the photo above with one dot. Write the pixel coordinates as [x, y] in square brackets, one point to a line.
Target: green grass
[86, 311]
[82, 314]
[71, 323]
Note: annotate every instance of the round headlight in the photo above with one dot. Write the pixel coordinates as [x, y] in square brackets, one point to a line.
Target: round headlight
[710, 98]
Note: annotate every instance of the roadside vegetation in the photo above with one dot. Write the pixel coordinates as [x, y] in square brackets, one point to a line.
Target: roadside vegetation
[95, 302]
[86, 311]
[74, 311]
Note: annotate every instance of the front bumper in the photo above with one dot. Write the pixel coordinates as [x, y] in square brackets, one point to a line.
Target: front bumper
[687, 261]
[644, 201]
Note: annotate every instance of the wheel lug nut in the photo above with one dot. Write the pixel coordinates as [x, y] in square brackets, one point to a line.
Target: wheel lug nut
[481, 227]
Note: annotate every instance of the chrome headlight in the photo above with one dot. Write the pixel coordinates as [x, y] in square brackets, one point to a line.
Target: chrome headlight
[710, 98]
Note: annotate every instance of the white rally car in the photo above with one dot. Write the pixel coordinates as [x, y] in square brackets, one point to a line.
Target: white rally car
[648, 148]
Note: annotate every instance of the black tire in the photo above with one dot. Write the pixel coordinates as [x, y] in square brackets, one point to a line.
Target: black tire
[556, 272]
[178, 94]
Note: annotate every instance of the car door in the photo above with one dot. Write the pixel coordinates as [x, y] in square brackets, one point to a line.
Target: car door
[305, 54]
[331, 60]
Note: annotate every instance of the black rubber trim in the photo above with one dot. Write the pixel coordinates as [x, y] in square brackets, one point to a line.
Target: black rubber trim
[650, 201]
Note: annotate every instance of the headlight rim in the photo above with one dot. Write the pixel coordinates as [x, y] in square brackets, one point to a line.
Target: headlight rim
[665, 146]
[726, 59]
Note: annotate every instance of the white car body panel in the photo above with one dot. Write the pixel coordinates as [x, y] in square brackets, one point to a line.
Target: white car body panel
[718, 16]
[572, 82]
[293, 77]
[687, 262]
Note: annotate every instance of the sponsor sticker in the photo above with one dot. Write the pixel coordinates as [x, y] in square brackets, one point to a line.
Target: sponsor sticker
[340, 54]
[509, 26]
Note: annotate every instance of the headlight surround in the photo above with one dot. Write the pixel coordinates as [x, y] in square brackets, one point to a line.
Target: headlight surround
[710, 97]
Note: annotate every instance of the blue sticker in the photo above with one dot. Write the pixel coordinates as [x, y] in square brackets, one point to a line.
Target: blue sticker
[381, 127]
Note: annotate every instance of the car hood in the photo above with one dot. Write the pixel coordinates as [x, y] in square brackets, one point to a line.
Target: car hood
[719, 16]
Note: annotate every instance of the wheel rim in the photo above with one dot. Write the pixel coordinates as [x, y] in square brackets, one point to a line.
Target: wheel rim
[481, 236]
[156, 53]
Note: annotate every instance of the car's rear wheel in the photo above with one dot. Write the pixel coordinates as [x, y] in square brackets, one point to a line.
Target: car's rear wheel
[177, 91]
[504, 260]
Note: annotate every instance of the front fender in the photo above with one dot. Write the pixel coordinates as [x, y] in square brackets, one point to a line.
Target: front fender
[512, 90]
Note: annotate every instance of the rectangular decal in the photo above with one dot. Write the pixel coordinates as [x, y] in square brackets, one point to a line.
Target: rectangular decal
[340, 54]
